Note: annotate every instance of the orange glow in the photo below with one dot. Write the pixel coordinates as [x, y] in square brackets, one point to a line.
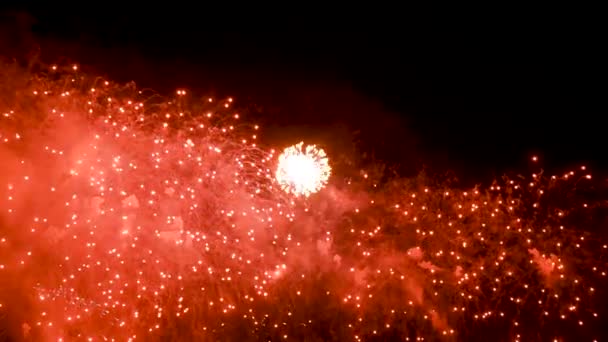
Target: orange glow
[128, 219]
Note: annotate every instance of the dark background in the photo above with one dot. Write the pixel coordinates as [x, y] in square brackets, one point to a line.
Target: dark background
[476, 97]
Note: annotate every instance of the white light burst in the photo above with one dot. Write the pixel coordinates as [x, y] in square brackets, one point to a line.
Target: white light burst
[303, 171]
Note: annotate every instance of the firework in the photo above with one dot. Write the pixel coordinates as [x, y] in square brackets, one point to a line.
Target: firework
[302, 171]
[127, 216]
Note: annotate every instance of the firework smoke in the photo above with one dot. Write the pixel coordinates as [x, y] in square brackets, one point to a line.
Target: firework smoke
[127, 216]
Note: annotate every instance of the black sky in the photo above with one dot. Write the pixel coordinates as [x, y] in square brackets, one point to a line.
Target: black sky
[477, 99]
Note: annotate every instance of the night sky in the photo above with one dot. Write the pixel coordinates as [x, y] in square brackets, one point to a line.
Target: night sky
[478, 101]
[475, 98]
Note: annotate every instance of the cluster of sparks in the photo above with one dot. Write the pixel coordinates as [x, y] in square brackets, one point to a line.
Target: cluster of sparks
[126, 217]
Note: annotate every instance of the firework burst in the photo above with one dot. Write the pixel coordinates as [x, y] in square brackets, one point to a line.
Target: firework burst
[303, 171]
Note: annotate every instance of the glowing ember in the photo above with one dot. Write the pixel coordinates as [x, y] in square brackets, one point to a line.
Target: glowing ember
[303, 172]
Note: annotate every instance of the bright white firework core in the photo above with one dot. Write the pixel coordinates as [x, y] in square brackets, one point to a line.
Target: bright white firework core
[303, 171]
